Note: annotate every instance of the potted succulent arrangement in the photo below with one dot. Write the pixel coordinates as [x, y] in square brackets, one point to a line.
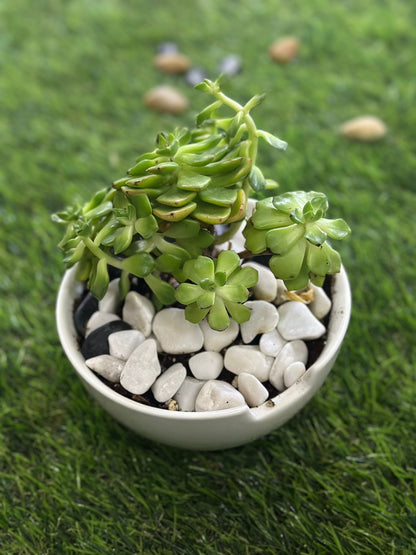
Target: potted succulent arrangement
[203, 309]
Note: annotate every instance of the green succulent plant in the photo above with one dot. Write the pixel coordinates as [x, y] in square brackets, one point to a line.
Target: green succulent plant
[218, 289]
[292, 227]
[162, 221]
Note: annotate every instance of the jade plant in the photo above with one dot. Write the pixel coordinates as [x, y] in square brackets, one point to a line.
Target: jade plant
[164, 220]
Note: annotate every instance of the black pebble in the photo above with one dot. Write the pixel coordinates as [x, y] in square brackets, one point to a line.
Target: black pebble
[96, 343]
[167, 48]
[230, 65]
[84, 311]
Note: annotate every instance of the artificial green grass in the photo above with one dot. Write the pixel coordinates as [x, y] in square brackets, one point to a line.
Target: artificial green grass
[340, 476]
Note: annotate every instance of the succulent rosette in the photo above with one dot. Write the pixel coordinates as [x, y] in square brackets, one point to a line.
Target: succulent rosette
[292, 227]
[217, 290]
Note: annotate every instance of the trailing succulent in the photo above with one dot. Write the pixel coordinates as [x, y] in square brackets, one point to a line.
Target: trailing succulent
[163, 220]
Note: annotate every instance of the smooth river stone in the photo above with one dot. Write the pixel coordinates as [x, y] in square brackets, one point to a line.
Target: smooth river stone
[321, 304]
[168, 383]
[252, 390]
[248, 359]
[141, 369]
[218, 395]
[138, 311]
[107, 366]
[216, 340]
[266, 286]
[111, 301]
[175, 334]
[84, 311]
[294, 351]
[123, 343]
[187, 393]
[264, 317]
[293, 372]
[206, 365]
[97, 341]
[98, 319]
[296, 321]
[271, 343]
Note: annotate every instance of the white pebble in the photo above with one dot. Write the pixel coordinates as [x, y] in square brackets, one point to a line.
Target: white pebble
[281, 295]
[107, 366]
[175, 334]
[169, 382]
[264, 317]
[206, 365]
[266, 286]
[111, 301]
[271, 343]
[296, 321]
[122, 343]
[293, 372]
[248, 359]
[187, 393]
[218, 395]
[141, 369]
[252, 390]
[216, 340]
[321, 304]
[294, 351]
[99, 319]
[138, 311]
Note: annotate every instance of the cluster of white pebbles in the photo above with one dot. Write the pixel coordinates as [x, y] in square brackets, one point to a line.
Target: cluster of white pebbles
[270, 347]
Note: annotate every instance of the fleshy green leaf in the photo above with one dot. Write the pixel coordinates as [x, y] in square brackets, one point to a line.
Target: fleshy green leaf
[147, 226]
[255, 239]
[187, 293]
[206, 299]
[99, 281]
[336, 229]
[282, 239]
[218, 317]
[288, 265]
[195, 314]
[183, 230]
[246, 276]
[140, 264]
[236, 293]
[227, 262]
[238, 312]
[163, 291]
[315, 235]
[122, 239]
[168, 263]
[275, 142]
[192, 181]
[266, 216]
[198, 269]
[256, 179]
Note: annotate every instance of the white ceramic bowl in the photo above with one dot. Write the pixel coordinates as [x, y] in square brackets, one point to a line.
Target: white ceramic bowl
[219, 429]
